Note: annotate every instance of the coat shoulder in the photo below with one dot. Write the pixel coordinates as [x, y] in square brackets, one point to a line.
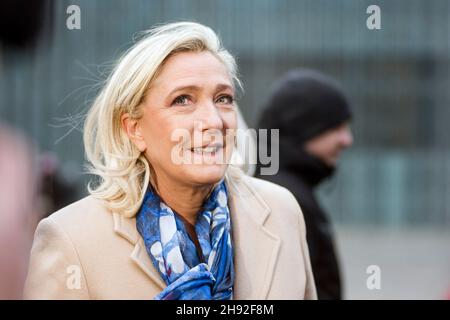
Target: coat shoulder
[261, 186]
[80, 210]
[281, 201]
[87, 215]
[271, 190]
[266, 186]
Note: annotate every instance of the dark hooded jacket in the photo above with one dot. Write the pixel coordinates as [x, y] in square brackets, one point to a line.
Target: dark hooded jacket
[303, 104]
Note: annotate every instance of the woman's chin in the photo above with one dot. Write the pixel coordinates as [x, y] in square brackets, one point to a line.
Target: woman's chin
[206, 174]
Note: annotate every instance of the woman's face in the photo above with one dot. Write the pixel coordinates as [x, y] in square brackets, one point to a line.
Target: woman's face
[189, 119]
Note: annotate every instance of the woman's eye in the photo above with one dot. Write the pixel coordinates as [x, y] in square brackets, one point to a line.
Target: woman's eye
[181, 100]
[225, 99]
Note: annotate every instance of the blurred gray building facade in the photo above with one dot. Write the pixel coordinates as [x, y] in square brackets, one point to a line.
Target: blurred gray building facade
[398, 79]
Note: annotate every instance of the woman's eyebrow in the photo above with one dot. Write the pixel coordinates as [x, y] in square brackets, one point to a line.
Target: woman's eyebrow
[219, 87]
[181, 88]
[223, 86]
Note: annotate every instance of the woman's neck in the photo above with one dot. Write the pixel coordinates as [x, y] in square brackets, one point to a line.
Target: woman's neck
[185, 200]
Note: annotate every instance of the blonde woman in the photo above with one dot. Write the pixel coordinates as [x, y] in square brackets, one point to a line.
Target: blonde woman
[169, 217]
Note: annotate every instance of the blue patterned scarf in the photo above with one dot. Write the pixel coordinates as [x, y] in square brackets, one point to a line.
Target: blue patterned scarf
[174, 255]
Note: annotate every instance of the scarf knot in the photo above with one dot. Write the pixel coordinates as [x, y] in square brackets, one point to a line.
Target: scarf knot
[174, 255]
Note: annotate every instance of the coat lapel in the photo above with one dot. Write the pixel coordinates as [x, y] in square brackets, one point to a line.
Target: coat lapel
[255, 247]
[126, 227]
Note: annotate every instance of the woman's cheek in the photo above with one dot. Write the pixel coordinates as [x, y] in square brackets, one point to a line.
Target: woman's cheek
[230, 120]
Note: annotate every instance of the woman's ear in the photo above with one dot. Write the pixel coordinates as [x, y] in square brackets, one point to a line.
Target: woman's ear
[134, 131]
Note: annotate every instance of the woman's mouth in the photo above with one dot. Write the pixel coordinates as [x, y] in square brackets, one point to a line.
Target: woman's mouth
[211, 148]
[208, 149]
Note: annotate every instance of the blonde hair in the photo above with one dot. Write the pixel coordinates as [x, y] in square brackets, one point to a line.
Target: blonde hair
[123, 171]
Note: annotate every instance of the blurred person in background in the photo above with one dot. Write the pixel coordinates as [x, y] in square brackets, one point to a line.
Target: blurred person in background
[18, 216]
[312, 115]
[55, 189]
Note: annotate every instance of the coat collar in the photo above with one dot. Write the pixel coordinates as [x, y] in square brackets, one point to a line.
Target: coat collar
[255, 247]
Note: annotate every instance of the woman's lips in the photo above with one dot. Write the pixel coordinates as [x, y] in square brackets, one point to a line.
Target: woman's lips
[208, 149]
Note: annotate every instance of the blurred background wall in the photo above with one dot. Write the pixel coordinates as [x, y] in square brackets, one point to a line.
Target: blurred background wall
[398, 172]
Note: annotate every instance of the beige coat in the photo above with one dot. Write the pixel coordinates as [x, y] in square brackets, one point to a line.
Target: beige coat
[85, 251]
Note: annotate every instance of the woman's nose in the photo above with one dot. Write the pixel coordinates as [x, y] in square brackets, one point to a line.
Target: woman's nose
[209, 116]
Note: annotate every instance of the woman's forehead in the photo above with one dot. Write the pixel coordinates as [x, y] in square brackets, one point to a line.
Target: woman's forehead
[193, 69]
